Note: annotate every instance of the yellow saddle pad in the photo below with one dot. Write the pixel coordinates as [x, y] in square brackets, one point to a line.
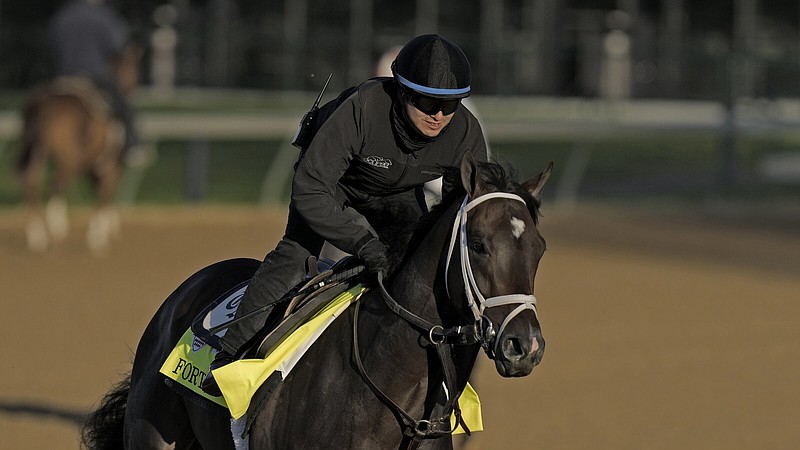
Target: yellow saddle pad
[189, 362]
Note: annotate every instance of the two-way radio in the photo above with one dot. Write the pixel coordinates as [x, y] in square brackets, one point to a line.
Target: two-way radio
[305, 131]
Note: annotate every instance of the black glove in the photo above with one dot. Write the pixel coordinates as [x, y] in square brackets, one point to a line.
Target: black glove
[373, 253]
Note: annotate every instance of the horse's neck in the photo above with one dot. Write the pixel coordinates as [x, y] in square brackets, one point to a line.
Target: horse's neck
[419, 287]
[417, 284]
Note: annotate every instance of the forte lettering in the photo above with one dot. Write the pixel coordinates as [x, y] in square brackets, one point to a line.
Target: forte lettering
[188, 372]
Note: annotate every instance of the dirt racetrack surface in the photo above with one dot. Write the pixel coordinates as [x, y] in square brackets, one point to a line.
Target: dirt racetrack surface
[670, 333]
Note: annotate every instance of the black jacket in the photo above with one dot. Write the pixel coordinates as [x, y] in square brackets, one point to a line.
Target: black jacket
[357, 160]
[86, 39]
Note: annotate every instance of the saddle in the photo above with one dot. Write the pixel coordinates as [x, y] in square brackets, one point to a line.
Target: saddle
[324, 281]
[85, 90]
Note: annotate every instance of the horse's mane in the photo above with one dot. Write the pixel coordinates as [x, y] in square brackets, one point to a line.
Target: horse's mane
[495, 177]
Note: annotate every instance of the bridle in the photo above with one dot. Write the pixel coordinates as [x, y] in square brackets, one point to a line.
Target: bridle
[482, 331]
[475, 299]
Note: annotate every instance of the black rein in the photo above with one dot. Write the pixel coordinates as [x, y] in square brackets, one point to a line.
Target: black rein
[442, 339]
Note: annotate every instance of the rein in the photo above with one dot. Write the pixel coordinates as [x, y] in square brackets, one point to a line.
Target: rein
[416, 430]
[444, 338]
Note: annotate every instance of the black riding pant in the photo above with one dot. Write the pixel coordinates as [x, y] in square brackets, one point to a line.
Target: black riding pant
[285, 267]
[282, 269]
[123, 111]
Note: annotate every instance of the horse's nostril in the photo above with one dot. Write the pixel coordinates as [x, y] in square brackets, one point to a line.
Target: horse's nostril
[513, 348]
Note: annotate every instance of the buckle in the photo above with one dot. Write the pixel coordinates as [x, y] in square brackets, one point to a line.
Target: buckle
[441, 332]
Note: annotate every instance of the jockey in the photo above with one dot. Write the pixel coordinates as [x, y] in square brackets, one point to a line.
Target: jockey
[362, 175]
[86, 37]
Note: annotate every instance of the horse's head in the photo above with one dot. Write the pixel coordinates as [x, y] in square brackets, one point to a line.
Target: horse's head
[500, 248]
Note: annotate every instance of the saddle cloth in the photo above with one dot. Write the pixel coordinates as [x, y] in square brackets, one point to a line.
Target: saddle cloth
[189, 361]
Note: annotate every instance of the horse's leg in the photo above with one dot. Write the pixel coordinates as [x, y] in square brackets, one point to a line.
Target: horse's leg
[105, 224]
[212, 428]
[55, 213]
[36, 234]
[56, 207]
[156, 417]
[32, 177]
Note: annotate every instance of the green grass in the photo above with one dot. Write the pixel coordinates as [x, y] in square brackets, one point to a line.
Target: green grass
[234, 174]
[683, 165]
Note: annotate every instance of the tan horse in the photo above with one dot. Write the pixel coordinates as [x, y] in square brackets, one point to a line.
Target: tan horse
[71, 124]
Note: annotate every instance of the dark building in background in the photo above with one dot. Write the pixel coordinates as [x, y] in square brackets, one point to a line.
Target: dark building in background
[599, 48]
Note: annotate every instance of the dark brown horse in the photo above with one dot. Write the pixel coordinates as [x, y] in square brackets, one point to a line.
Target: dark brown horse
[70, 124]
[387, 372]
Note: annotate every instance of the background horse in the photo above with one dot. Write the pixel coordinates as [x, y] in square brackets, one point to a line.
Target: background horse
[375, 378]
[69, 123]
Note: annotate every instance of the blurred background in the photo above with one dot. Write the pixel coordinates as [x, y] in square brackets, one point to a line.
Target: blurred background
[674, 49]
[629, 97]
[669, 292]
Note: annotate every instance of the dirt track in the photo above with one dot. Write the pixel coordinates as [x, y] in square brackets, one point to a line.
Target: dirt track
[660, 335]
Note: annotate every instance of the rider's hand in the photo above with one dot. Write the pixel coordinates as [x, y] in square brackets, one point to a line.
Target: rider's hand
[373, 253]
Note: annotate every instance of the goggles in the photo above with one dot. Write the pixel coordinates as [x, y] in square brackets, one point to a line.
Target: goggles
[431, 106]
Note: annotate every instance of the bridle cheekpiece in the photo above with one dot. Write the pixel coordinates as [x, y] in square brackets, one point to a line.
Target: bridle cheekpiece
[475, 299]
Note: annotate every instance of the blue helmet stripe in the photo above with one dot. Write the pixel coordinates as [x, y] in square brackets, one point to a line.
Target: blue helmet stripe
[430, 90]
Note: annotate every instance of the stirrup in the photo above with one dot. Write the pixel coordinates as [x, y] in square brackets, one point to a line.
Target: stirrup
[210, 386]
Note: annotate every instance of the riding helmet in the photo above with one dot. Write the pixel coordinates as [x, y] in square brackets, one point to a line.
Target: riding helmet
[432, 66]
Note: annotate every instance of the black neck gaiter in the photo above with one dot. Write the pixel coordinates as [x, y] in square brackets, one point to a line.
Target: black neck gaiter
[406, 135]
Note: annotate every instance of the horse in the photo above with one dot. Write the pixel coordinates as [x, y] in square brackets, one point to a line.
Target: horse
[387, 373]
[70, 122]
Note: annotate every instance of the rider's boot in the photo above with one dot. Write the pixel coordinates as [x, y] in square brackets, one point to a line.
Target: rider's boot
[239, 336]
[209, 384]
[281, 270]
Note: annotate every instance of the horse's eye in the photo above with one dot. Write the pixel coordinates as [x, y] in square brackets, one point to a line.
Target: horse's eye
[477, 247]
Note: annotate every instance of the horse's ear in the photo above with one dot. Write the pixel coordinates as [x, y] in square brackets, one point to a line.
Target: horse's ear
[535, 185]
[470, 177]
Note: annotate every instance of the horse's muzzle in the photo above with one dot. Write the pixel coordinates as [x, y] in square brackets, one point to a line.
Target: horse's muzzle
[517, 356]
